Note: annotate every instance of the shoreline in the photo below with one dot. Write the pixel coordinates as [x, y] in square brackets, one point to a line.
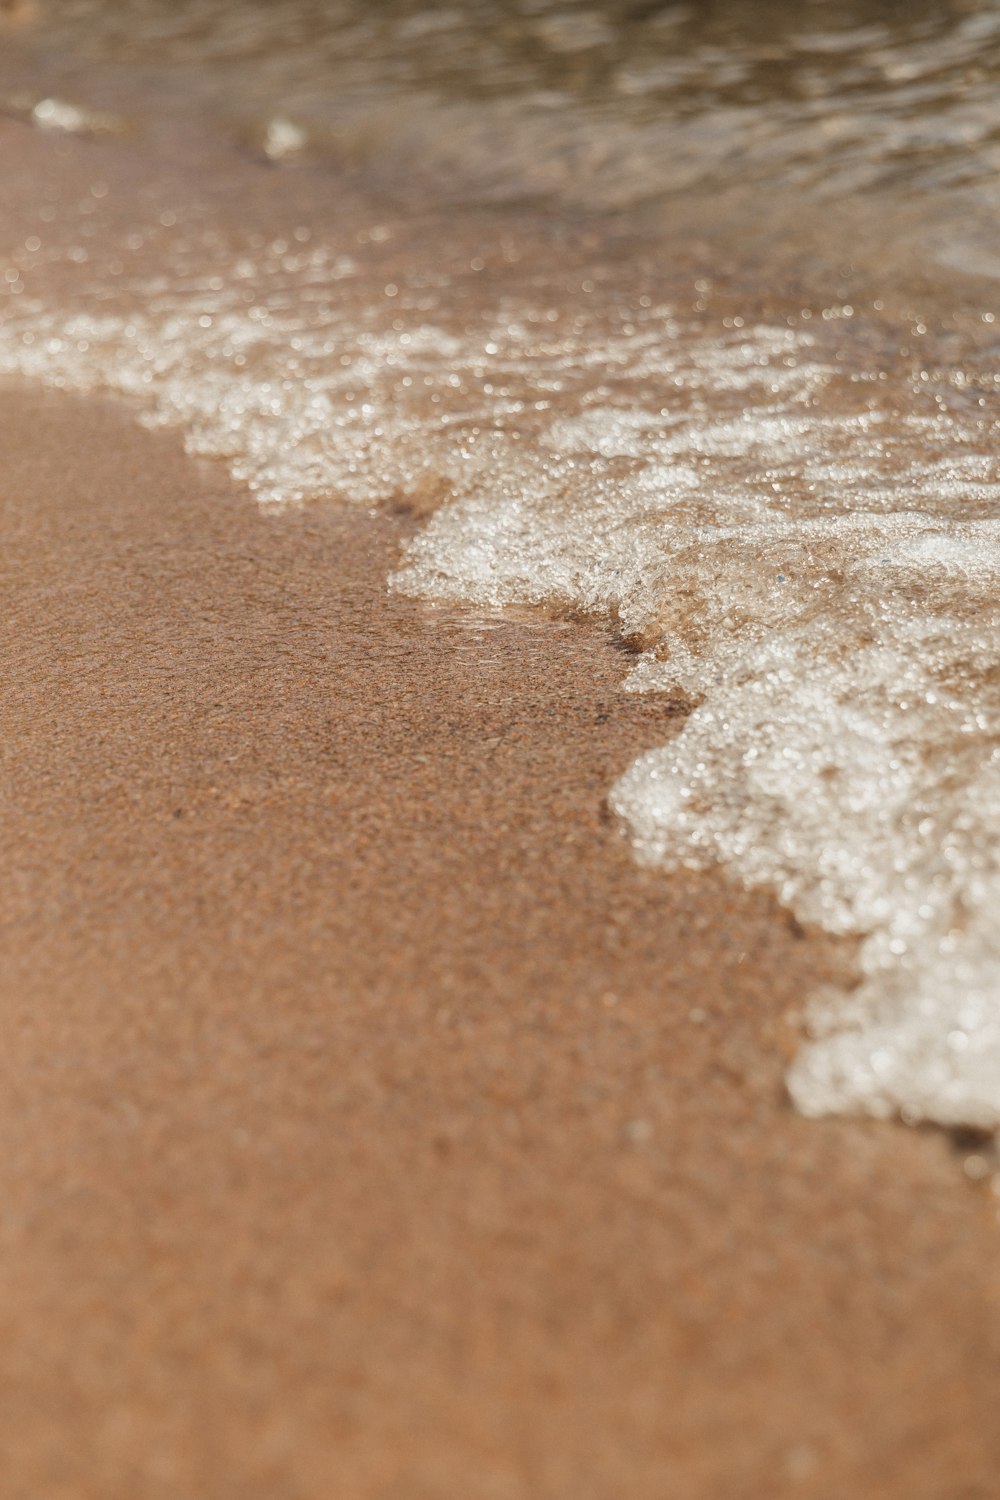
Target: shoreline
[375, 1124]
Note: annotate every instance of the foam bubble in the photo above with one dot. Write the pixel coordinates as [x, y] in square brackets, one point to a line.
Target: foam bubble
[72, 119]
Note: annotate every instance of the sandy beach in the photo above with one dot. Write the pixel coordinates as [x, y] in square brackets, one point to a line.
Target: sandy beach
[373, 1127]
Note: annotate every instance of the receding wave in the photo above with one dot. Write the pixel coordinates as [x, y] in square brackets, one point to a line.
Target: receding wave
[790, 508]
[809, 554]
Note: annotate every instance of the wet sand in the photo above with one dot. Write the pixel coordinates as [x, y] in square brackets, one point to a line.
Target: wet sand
[372, 1126]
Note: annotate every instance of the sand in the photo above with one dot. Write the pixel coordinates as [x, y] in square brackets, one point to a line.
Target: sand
[372, 1125]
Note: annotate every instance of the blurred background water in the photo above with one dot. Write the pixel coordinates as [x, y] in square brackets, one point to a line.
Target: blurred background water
[596, 106]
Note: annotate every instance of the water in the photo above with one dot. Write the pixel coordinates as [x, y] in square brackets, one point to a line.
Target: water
[601, 105]
[681, 316]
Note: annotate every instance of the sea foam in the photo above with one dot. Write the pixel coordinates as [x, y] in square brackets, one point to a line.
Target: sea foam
[805, 548]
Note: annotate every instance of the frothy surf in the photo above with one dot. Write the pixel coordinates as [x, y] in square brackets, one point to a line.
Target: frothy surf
[843, 653]
[792, 514]
[810, 557]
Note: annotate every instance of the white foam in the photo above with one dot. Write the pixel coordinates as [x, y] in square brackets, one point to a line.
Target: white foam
[72, 119]
[283, 138]
[845, 750]
[770, 530]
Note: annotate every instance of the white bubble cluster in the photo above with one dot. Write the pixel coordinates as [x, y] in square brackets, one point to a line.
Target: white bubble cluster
[810, 556]
[844, 657]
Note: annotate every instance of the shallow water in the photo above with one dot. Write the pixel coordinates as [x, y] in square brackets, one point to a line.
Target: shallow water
[601, 105]
[731, 384]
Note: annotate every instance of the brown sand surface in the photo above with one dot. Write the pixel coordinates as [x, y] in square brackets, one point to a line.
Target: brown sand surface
[372, 1126]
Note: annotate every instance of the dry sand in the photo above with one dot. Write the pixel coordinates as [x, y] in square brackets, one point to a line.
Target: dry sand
[372, 1126]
